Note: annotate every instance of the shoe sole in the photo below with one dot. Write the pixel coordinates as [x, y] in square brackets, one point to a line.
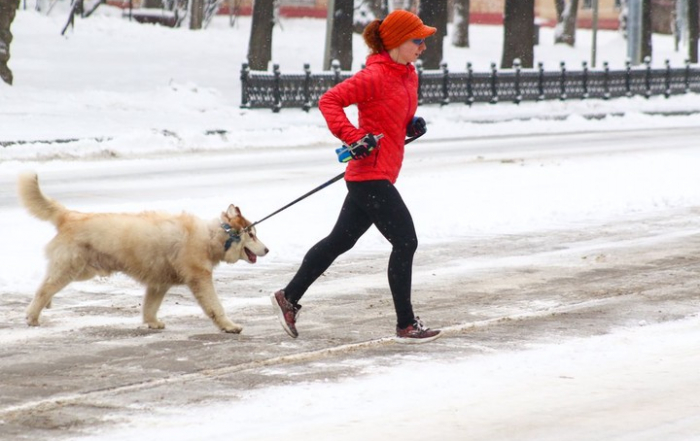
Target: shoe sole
[416, 341]
[280, 316]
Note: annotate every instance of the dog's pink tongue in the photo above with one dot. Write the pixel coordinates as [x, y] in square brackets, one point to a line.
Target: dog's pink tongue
[252, 257]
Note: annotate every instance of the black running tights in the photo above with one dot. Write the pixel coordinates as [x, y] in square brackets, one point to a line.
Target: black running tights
[367, 203]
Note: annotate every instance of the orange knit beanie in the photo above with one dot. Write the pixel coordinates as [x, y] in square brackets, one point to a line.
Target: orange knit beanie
[400, 26]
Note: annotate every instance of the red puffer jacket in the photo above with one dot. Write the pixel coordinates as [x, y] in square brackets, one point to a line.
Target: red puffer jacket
[386, 94]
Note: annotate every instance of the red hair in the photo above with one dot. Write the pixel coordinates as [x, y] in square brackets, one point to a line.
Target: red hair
[372, 38]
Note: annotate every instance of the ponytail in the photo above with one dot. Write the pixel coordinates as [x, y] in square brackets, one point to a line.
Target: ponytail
[372, 38]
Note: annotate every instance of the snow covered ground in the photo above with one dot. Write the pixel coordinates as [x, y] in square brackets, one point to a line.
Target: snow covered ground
[124, 97]
[606, 387]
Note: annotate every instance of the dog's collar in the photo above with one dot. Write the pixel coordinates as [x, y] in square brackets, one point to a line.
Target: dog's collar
[233, 236]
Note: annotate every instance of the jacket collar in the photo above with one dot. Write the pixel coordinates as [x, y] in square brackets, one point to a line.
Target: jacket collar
[385, 59]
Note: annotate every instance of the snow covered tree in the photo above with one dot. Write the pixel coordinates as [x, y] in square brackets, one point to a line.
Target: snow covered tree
[434, 13]
[409, 5]
[461, 23]
[518, 33]
[8, 9]
[260, 43]
[567, 13]
[367, 11]
[559, 6]
[380, 8]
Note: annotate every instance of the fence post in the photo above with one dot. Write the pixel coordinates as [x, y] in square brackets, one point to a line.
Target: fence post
[419, 70]
[307, 87]
[586, 95]
[606, 80]
[277, 93]
[445, 84]
[470, 89]
[562, 82]
[335, 66]
[628, 78]
[540, 81]
[518, 94]
[494, 84]
[667, 79]
[245, 79]
[687, 76]
[647, 77]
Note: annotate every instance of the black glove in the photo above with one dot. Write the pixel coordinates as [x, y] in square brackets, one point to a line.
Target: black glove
[416, 127]
[362, 148]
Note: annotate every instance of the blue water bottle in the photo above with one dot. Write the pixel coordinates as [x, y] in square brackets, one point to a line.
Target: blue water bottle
[343, 154]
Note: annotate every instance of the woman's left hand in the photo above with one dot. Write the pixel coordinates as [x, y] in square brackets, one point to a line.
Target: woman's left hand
[416, 127]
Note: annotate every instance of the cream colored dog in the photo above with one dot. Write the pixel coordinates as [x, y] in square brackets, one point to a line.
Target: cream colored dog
[157, 249]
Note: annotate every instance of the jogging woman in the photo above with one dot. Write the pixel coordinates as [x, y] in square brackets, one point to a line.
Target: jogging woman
[386, 94]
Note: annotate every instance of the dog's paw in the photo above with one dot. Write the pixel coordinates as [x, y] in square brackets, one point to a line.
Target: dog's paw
[231, 328]
[32, 321]
[155, 324]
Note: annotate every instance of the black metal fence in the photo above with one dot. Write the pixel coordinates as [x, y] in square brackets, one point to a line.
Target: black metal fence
[276, 90]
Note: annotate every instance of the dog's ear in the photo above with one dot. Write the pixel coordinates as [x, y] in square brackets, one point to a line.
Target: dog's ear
[233, 211]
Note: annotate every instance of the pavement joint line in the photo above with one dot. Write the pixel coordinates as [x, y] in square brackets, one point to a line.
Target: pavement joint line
[557, 310]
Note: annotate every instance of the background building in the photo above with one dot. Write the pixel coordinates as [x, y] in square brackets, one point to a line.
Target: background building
[481, 11]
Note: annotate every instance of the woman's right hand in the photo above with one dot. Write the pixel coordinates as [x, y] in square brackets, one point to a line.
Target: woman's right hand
[362, 148]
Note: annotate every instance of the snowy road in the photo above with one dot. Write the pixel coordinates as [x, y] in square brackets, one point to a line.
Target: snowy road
[573, 236]
[250, 172]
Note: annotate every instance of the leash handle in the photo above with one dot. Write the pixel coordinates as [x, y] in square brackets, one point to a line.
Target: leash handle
[343, 151]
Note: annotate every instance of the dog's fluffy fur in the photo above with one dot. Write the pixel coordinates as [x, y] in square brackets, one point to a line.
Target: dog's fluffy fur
[157, 249]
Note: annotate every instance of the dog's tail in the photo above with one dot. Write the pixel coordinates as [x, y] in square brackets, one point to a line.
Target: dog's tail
[34, 200]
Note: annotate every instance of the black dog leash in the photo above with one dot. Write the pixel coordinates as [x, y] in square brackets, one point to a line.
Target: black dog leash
[319, 188]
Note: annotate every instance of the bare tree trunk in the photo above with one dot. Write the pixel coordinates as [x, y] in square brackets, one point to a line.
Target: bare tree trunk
[566, 29]
[559, 6]
[260, 43]
[341, 38]
[196, 14]
[646, 29]
[693, 26]
[461, 24]
[519, 33]
[434, 13]
[8, 8]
